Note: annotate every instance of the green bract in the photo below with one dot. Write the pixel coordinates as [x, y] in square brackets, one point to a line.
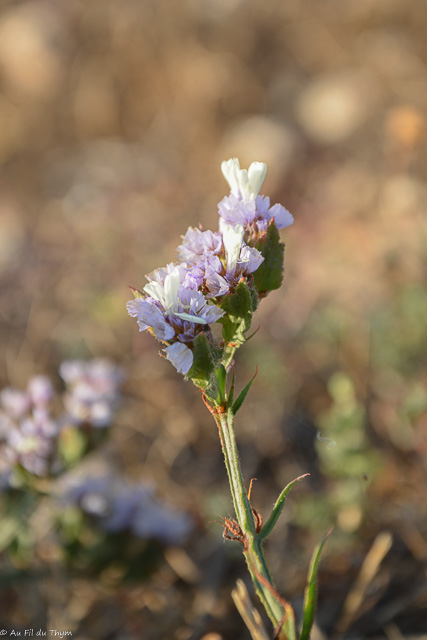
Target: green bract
[269, 274]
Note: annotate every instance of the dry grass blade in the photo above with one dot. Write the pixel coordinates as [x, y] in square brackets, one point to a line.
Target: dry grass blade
[375, 556]
[248, 612]
[393, 632]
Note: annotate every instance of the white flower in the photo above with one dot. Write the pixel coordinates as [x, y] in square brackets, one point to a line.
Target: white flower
[167, 293]
[244, 184]
[168, 296]
[232, 237]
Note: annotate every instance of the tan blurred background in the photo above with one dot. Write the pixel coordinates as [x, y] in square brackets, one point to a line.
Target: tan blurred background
[114, 118]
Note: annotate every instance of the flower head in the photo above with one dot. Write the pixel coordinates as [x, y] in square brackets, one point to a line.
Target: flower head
[244, 206]
[245, 185]
[181, 301]
[27, 429]
[92, 391]
[173, 308]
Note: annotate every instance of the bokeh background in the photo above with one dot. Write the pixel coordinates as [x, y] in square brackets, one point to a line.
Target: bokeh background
[114, 118]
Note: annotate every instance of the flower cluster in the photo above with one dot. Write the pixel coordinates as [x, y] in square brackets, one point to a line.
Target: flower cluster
[27, 428]
[183, 299]
[92, 391]
[117, 506]
[30, 426]
[244, 206]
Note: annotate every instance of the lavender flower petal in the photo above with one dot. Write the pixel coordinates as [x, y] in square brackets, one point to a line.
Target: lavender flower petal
[282, 217]
[149, 315]
[180, 356]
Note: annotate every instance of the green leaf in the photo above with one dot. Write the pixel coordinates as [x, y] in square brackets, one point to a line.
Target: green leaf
[310, 594]
[269, 274]
[242, 395]
[278, 508]
[203, 365]
[238, 307]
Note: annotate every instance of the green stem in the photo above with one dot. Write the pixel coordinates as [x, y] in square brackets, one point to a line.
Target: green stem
[253, 546]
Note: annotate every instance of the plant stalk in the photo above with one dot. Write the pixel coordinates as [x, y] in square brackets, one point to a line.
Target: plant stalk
[252, 550]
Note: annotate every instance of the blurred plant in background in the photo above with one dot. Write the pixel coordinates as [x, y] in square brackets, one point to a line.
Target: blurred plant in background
[91, 520]
[346, 459]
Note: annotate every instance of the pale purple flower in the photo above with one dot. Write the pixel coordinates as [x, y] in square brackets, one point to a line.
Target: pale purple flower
[244, 206]
[177, 304]
[249, 260]
[92, 391]
[255, 214]
[31, 443]
[101, 372]
[27, 427]
[92, 494]
[234, 211]
[197, 245]
[175, 310]
[148, 314]
[214, 278]
[118, 506]
[40, 390]
[16, 403]
[241, 260]
[155, 520]
[226, 258]
[197, 306]
[168, 307]
[202, 250]
[180, 356]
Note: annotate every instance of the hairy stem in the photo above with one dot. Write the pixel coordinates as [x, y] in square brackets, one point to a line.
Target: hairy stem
[252, 544]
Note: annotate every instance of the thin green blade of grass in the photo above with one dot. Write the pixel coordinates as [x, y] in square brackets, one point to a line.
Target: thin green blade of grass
[310, 595]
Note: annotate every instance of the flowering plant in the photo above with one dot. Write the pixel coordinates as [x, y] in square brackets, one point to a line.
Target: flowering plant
[39, 441]
[220, 277]
[47, 478]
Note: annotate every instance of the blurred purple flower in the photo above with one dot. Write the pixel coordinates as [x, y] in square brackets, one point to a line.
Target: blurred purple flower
[16, 403]
[31, 442]
[27, 428]
[40, 390]
[29, 432]
[118, 507]
[92, 390]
